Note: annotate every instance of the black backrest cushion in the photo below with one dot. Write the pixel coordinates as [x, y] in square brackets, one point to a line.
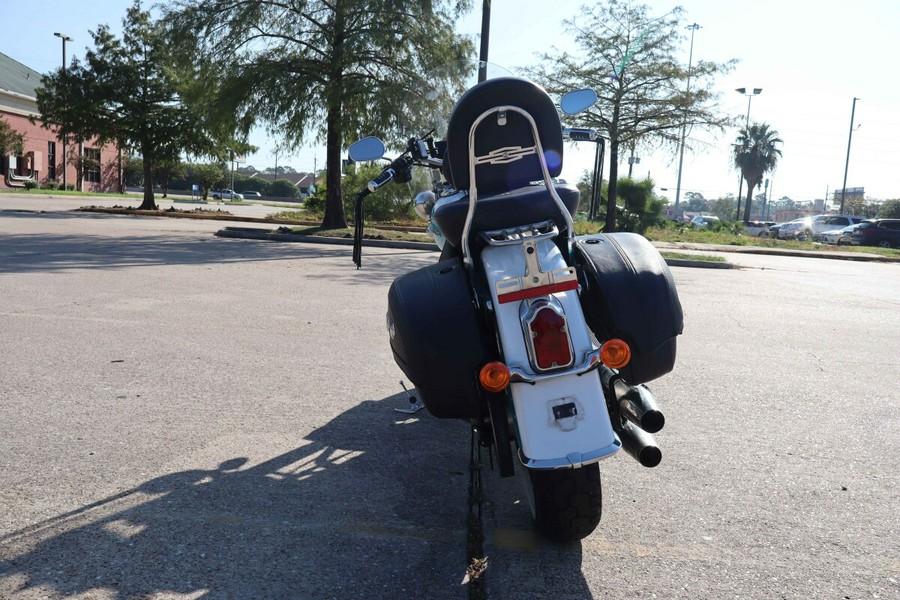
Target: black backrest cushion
[490, 135]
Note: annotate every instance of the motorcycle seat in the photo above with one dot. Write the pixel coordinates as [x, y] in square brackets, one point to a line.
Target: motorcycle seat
[521, 206]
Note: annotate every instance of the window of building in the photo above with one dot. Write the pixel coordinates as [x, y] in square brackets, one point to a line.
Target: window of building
[51, 160]
[92, 165]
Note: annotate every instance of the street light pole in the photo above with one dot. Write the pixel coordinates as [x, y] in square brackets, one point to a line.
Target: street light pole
[693, 27]
[847, 162]
[64, 39]
[743, 91]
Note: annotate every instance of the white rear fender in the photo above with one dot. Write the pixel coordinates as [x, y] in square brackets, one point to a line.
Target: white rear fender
[560, 416]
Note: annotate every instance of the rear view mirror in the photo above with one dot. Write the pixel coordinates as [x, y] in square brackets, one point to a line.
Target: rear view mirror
[575, 102]
[368, 148]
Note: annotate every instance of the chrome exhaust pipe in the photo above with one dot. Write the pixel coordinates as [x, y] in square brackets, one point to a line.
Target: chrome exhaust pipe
[637, 404]
[639, 444]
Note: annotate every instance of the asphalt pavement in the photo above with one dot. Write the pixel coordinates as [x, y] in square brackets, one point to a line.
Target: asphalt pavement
[186, 416]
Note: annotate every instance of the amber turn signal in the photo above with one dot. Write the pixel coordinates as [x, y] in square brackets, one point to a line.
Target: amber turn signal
[615, 353]
[494, 377]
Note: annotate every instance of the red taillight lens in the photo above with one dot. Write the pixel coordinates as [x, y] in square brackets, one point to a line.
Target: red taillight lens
[550, 339]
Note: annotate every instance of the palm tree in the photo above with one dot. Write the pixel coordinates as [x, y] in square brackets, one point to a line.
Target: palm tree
[755, 154]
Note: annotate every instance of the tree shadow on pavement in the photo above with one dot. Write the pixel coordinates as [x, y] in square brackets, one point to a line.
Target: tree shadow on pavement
[370, 505]
[37, 253]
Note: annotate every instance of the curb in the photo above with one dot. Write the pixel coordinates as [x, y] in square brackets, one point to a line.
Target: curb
[253, 233]
[267, 235]
[699, 264]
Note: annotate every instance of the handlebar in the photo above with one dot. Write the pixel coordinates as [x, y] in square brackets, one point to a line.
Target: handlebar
[384, 177]
[579, 134]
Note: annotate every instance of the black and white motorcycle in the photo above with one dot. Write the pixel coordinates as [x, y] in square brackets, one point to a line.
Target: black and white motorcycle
[540, 338]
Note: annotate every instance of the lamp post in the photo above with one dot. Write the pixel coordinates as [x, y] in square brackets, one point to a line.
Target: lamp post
[65, 140]
[743, 91]
[693, 27]
[847, 162]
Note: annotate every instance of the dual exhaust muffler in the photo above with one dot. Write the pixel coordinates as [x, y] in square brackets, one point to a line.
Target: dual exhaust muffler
[636, 417]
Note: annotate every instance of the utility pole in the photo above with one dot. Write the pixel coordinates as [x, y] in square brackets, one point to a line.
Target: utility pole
[693, 27]
[743, 91]
[847, 162]
[485, 39]
[65, 138]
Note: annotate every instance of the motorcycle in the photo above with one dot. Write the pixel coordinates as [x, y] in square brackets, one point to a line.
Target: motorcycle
[542, 339]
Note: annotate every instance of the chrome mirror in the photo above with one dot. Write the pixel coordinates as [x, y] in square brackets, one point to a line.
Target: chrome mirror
[575, 102]
[368, 148]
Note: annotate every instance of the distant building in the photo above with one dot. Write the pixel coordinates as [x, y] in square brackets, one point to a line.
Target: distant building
[41, 159]
[854, 192]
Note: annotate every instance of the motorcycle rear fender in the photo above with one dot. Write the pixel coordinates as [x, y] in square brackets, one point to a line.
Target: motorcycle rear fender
[560, 421]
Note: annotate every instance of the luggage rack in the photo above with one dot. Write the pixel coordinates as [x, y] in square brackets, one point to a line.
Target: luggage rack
[518, 235]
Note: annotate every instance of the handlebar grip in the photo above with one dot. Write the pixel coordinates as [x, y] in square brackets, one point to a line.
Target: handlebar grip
[382, 179]
[578, 134]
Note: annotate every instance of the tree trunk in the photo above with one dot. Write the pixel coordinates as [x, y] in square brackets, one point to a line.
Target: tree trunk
[335, 218]
[611, 190]
[149, 202]
[749, 203]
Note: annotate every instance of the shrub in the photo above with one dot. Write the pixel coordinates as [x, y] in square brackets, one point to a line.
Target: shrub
[31, 185]
[70, 187]
[51, 185]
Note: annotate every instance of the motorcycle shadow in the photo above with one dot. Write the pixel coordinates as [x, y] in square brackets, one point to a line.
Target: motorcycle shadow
[370, 505]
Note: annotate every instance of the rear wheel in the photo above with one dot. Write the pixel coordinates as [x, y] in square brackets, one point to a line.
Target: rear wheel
[567, 503]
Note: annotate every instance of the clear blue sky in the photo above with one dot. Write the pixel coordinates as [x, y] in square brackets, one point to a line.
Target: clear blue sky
[809, 57]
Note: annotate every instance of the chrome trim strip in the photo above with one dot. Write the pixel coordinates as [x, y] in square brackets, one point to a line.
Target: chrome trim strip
[520, 235]
[591, 362]
[573, 460]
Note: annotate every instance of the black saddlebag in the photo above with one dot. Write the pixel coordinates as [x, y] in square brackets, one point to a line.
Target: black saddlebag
[436, 338]
[629, 294]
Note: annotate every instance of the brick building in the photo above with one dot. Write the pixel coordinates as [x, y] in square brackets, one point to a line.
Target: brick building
[42, 157]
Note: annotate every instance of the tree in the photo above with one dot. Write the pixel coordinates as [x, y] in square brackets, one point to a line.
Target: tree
[335, 68]
[167, 169]
[10, 140]
[640, 207]
[207, 176]
[126, 91]
[629, 58]
[755, 155]
[890, 209]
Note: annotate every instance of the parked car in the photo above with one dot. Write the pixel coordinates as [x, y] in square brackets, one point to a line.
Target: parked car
[823, 223]
[807, 227]
[796, 229]
[251, 194]
[758, 228]
[773, 230]
[226, 195]
[841, 236]
[878, 232]
[704, 220]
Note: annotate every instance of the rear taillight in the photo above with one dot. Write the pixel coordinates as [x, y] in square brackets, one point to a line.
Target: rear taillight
[547, 328]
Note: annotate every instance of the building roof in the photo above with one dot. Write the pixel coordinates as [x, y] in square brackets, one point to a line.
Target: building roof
[17, 78]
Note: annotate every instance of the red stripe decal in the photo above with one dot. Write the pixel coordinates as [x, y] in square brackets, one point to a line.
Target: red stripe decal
[538, 291]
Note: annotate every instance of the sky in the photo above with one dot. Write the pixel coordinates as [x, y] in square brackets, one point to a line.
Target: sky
[810, 57]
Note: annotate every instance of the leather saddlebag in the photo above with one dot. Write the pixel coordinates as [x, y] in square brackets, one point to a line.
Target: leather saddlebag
[436, 337]
[629, 293]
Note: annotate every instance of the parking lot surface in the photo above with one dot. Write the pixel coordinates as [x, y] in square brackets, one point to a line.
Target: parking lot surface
[186, 416]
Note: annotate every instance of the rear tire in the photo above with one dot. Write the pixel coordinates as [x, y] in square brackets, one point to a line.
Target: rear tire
[568, 503]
